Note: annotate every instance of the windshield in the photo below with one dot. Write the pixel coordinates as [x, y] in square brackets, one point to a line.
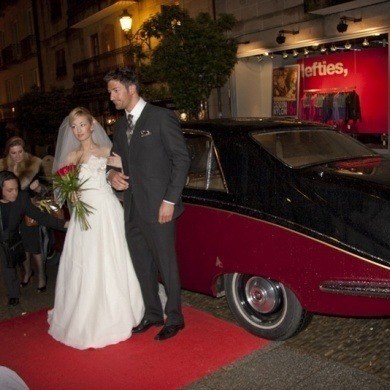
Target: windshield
[300, 148]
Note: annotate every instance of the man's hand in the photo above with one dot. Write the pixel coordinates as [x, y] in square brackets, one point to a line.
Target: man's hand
[114, 161]
[118, 180]
[165, 213]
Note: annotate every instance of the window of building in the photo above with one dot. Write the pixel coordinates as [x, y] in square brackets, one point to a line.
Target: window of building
[35, 77]
[8, 91]
[60, 63]
[55, 10]
[15, 31]
[94, 45]
[21, 85]
[1, 39]
[205, 172]
[30, 21]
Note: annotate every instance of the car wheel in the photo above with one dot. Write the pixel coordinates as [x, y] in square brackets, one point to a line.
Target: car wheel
[264, 307]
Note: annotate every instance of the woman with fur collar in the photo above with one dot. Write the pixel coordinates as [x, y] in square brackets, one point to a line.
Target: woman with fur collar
[27, 168]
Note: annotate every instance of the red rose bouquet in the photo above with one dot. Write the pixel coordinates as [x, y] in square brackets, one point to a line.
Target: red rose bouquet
[67, 187]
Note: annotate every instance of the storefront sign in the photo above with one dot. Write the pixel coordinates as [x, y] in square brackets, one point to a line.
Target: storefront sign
[324, 68]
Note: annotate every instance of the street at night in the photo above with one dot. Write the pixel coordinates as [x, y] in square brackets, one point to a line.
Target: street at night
[331, 352]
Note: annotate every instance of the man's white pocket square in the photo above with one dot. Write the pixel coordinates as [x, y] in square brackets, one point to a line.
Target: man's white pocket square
[145, 133]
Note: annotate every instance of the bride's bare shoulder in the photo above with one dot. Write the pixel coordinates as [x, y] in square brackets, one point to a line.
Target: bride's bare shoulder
[72, 157]
[104, 151]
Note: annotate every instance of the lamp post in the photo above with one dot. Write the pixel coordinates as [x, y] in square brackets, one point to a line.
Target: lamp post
[126, 22]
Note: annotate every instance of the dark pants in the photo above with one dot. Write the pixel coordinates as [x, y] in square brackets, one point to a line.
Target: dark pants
[10, 277]
[152, 249]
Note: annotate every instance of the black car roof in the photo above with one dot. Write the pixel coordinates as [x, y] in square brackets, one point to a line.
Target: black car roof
[251, 124]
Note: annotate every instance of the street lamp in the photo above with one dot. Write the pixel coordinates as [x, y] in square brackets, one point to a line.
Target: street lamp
[126, 22]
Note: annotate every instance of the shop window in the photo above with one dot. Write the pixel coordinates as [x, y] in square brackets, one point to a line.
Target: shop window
[55, 10]
[205, 172]
[60, 63]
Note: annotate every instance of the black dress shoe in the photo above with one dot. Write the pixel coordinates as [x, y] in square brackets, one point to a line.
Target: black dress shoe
[146, 324]
[168, 331]
[13, 302]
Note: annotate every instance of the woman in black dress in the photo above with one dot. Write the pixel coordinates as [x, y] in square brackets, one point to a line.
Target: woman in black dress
[14, 205]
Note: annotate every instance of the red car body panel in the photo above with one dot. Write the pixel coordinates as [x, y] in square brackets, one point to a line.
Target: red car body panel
[212, 242]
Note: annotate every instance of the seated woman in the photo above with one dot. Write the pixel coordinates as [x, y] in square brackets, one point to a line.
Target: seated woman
[14, 205]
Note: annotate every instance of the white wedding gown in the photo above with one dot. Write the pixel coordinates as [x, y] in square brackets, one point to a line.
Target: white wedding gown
[98, 298]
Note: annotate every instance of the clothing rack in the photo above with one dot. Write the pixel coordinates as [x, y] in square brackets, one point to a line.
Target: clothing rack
[329, 90]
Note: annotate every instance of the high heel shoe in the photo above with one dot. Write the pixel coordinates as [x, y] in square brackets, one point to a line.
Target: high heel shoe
[43, 288]
[24, 284]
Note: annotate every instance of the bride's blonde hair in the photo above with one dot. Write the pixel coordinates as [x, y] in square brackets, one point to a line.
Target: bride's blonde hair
[80, 111]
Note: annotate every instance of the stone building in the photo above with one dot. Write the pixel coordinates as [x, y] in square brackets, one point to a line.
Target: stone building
[71, 44]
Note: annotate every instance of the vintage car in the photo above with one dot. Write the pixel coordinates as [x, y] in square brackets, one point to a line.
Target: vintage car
[286, 219]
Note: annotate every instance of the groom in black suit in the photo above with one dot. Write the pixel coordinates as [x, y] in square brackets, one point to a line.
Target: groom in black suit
[155, 163]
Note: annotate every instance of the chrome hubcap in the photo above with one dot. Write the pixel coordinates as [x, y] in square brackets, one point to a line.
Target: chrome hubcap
[263, 295]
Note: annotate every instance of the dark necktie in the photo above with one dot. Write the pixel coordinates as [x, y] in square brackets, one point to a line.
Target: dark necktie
[130, 128]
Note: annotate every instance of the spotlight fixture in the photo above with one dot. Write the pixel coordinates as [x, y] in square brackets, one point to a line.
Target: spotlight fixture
[305, 51]
[347, 45]
[343, 26]
[365, 42]
[281, 38]
[295, 53]
[271, 55]
[323, 49]
[333, 48]
[285, 55]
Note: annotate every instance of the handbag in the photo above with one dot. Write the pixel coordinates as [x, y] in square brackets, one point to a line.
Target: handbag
[13, 251]
[47, 205]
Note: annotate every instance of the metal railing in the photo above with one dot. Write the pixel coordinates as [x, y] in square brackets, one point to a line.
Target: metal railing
[96, 67]
[11, 54]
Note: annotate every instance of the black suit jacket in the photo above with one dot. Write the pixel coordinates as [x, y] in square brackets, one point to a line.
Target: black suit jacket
[157, 161]
[23, 206]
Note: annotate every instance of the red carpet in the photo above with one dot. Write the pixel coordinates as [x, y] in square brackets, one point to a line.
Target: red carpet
[205, 345]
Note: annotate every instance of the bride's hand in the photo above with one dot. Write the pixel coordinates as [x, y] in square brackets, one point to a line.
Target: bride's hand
[114, 161]
[75, 196]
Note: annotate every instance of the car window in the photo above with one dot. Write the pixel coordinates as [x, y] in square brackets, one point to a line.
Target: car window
[205, 172]
[299, 148]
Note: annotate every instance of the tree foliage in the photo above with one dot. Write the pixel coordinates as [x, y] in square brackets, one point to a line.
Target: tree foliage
[193, 55]
[39, 114]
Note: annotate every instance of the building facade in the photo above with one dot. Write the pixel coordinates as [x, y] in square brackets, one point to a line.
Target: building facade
[73, 44]
[293, 56]
[19, 68]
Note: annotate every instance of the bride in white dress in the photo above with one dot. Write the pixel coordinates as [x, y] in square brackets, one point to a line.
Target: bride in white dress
[98, 299]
